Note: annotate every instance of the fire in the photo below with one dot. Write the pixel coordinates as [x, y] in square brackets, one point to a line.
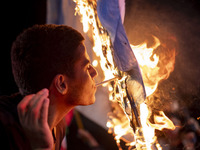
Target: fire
[148, 62]
[161, 122]
[153, 71]
[101, 40]
[154, 68]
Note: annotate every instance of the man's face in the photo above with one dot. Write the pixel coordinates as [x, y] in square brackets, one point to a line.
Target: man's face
[81, 89]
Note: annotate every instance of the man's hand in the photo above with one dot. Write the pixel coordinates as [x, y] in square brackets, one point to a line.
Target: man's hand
[33, 116]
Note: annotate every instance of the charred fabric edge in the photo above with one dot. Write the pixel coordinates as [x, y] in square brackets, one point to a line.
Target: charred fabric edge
[109, 14]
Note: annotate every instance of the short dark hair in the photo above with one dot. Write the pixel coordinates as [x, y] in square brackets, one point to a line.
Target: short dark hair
[41, 52]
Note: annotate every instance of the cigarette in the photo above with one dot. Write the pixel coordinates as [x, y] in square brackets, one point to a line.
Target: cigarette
[100, 83]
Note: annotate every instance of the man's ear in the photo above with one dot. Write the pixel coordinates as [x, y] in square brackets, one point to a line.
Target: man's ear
[61, 84]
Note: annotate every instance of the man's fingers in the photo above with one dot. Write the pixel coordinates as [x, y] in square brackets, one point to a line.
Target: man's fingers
[44, 112]
[37, 96]
[22, 106]
[29, 107]
[43, 92]
[36, 104]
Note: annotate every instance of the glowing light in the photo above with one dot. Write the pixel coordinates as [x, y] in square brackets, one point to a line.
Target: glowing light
[152, 73]
[95, 63]
[162, 121]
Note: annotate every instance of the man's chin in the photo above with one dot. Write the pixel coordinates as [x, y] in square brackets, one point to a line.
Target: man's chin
[90, 102]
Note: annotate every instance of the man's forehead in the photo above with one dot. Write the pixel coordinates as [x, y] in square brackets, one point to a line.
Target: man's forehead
[84, 57]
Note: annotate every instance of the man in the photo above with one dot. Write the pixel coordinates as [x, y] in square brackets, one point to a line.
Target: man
[51, 59]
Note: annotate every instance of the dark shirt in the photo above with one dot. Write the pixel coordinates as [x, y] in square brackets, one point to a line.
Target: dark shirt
[12, 136]
[105, 140]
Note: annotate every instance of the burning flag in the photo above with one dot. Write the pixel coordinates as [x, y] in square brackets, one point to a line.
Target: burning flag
[109, 14]
[110, 42]
[111, 19]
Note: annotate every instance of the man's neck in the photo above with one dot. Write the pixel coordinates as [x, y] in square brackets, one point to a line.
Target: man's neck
[56, 112]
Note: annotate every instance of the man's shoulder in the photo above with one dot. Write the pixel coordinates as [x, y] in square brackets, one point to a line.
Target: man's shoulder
[11, 132]
[9, 101]
[8, 108]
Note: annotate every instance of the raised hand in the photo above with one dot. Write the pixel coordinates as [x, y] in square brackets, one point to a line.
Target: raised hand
[33, 116]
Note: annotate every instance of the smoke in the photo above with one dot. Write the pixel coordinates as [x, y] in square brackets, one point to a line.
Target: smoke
[176, 23]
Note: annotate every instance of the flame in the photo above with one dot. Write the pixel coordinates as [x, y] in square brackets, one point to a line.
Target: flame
[101, 40]
[161, 122]
[148, 131]
[152, 73]
[154, 68]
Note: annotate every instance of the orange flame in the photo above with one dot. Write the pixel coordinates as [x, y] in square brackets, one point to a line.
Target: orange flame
[152, 73]
[162, 121]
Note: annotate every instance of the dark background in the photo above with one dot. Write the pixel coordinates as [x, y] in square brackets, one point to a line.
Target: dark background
[15, 17]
